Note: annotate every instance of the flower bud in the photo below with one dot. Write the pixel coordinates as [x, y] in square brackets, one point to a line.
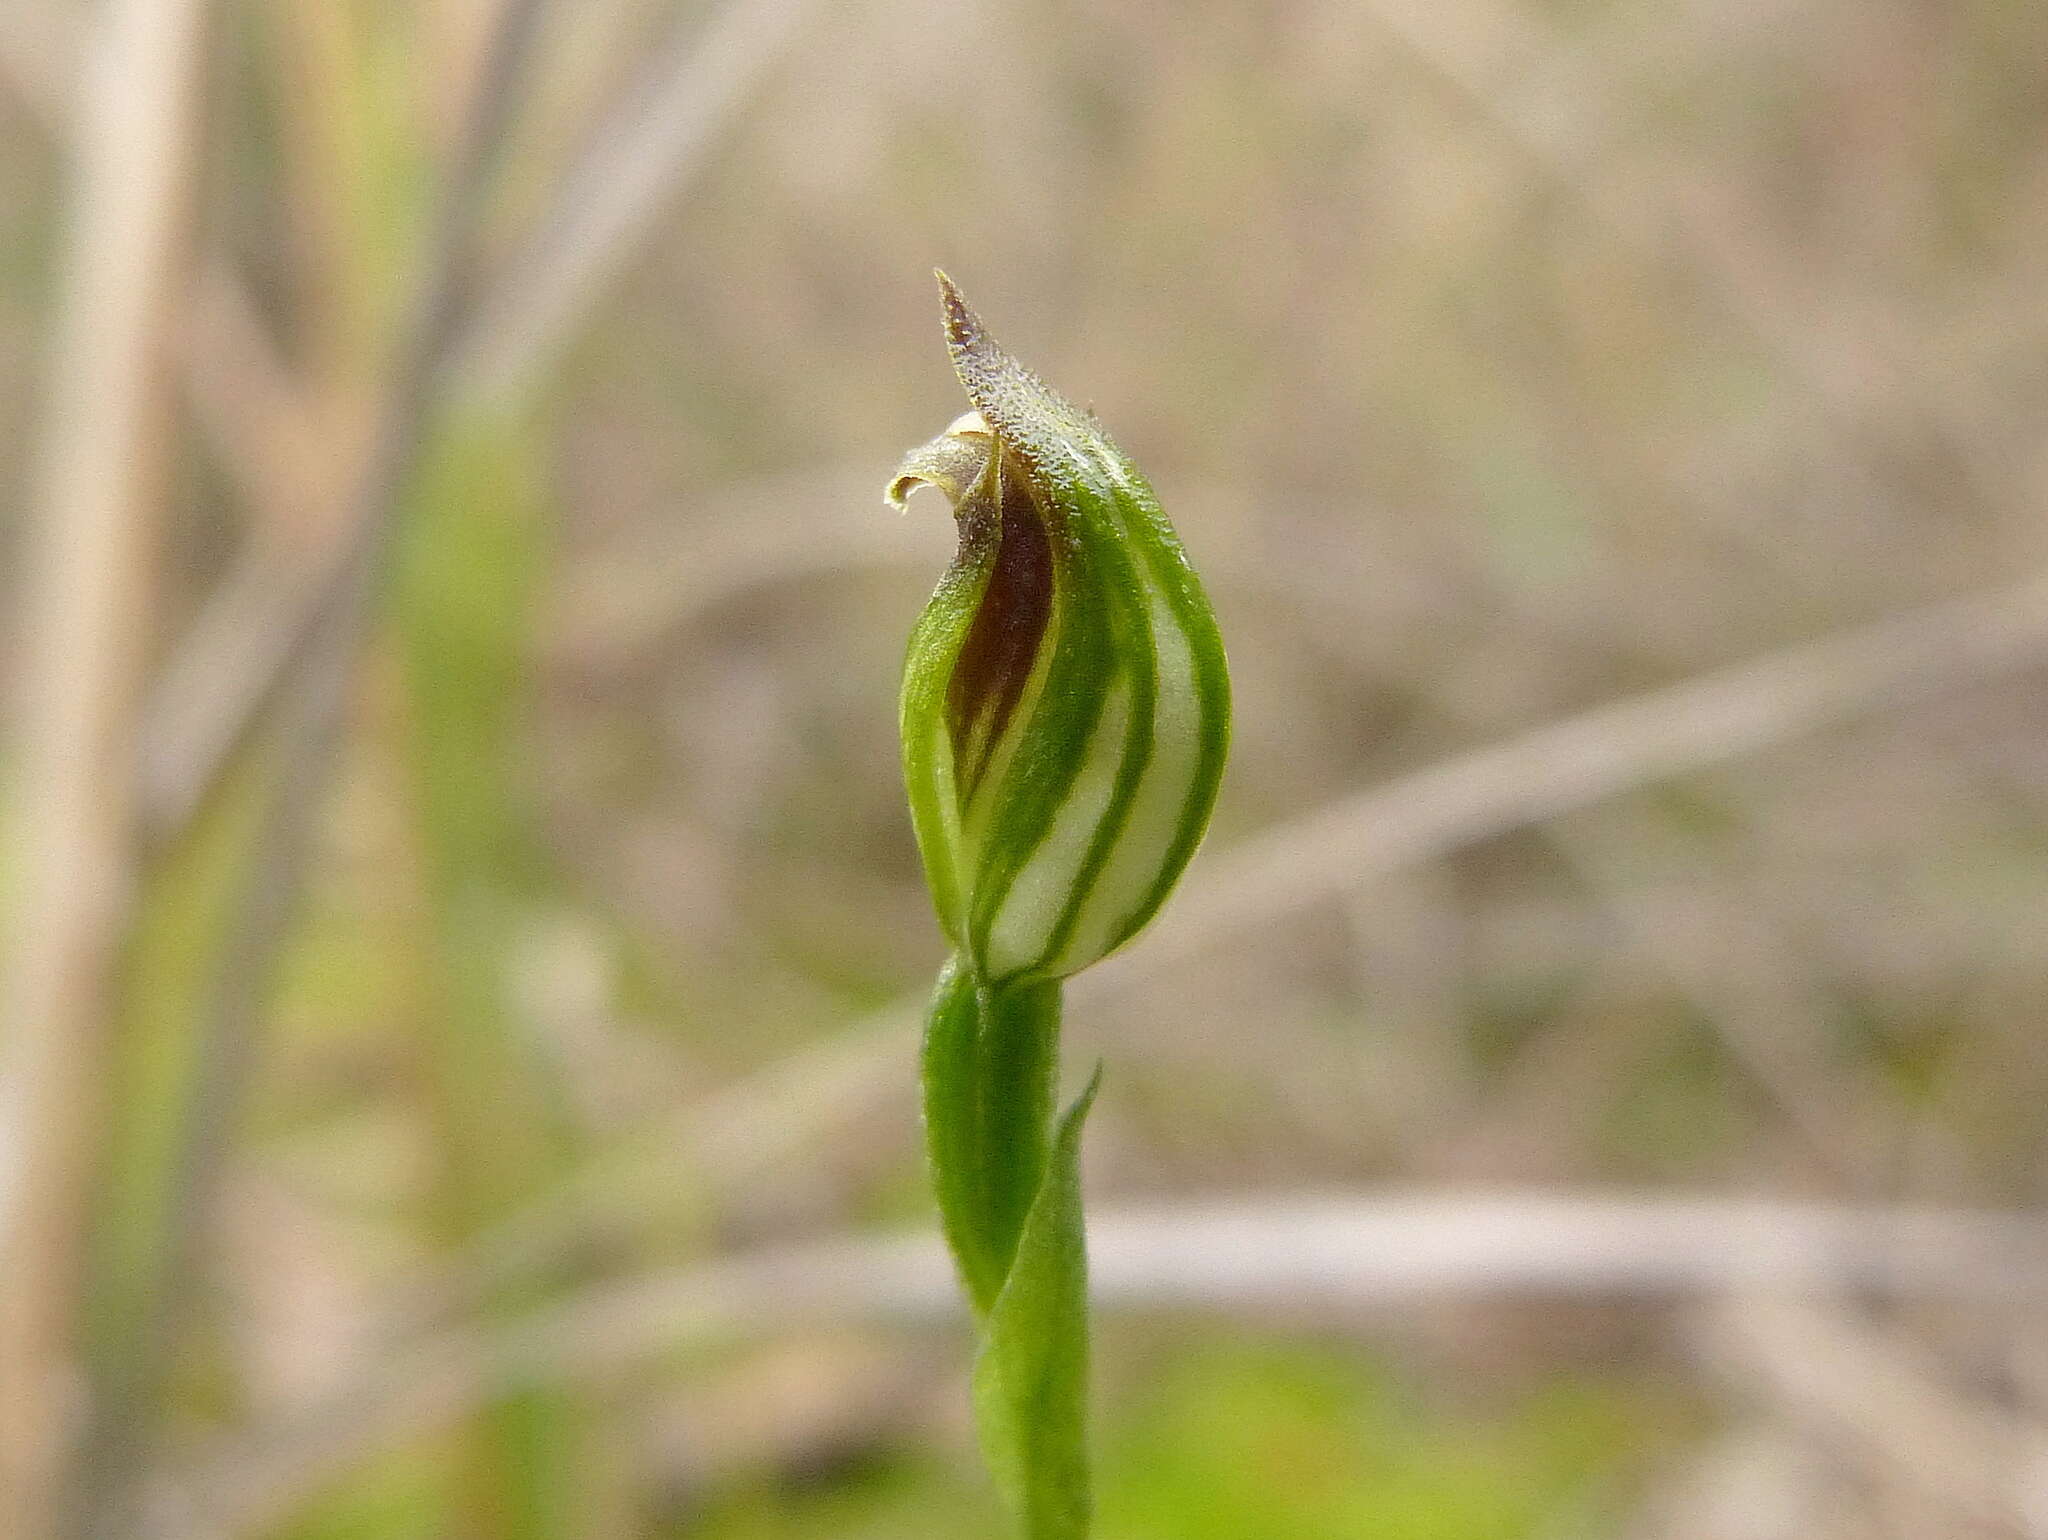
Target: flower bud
[1066, 708]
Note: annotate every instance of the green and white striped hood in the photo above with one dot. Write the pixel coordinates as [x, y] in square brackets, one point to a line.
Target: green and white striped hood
[1066, 708]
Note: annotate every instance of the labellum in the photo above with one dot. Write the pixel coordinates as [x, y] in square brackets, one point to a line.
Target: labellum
[1065, 708]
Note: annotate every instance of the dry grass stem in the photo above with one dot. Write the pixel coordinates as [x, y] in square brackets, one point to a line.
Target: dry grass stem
[640, 157]
[1283, 1253]
[1570, 764]
[1853, 1384]
[89, 609]
[308, 736]
[1560, 116]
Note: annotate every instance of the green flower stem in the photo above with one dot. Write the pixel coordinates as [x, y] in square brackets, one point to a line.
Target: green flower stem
[1009, 1196]
[1031, 1378]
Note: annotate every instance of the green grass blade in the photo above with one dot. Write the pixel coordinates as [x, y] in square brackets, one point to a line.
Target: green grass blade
[463, 601]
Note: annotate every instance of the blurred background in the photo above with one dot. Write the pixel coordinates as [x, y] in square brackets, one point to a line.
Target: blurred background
[463, 942]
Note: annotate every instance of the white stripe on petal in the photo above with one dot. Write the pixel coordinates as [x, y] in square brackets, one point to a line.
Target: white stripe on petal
[1032, 908]
[1153, 823]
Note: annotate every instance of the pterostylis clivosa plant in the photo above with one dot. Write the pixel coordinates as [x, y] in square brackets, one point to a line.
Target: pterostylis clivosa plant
[1065, 716]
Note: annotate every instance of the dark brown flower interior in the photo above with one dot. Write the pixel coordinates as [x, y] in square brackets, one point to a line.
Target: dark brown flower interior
[1002, 643]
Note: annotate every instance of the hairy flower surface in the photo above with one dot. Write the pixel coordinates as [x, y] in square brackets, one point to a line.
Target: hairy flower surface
[1066, 707]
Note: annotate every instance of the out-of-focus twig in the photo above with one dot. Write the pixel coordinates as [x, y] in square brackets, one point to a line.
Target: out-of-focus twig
[1863, 1390]
[1291, 1251]
[638, 158]
[290, 474]
[722, 1139]
[1751, 1483]
[260, 419]
[1723, 955]
[307, 740]
[98, 496]
[209, 694]
[243, 397]
[1482, 51]
[618, 602]
[1569, 764]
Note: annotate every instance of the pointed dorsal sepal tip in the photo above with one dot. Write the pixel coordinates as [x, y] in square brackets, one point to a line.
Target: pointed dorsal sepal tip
[1027, 414]
[965, 333]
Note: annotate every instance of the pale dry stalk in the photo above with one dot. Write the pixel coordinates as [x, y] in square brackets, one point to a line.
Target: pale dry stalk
[1286, 1252]
[88, 603]
[114, 1444]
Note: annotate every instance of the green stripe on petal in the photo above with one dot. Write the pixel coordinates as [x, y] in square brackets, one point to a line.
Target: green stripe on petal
[1027, 924]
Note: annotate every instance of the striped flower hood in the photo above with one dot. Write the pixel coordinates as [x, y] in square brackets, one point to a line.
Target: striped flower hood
[1066, 708]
